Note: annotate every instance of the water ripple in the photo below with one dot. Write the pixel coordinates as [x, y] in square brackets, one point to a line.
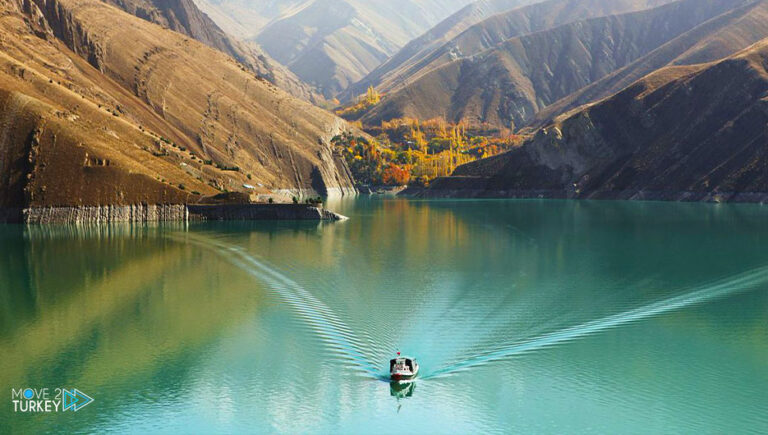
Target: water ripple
[331, 330]
[739, 283]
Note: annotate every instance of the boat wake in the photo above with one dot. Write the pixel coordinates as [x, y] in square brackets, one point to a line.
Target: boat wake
[319, 317]
[347, 346]
[736, 284]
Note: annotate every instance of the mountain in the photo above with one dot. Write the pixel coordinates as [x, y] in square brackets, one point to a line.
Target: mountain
[710, 41]
[244, 18]
[185, 17]
[693, 132]
[98, 107]
[481, 26]
[331, 43]
[393, 70]
[520, 76]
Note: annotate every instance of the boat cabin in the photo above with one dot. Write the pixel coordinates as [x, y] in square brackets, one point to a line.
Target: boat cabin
[401, 364]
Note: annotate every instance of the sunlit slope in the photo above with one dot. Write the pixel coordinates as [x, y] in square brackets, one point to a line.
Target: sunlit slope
[481, 26]
[520, 76]
[684, 133]
[334, 43]
[185, 17]
[420, 47]
[101, 107]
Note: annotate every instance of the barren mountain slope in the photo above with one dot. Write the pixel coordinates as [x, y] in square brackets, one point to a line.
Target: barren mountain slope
[246, 18]
[420, 47]
[521, 76]
[682, 133]
[185, 17]
[98, 107]
[332, 43]
[710, 41]
[483, 26]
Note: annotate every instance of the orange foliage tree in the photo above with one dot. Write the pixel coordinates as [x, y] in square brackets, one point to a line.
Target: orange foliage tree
[395, 175]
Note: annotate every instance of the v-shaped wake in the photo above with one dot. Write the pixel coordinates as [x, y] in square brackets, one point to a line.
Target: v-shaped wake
[334, 332]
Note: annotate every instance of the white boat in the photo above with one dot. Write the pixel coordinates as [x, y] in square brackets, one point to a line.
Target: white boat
[403, 368]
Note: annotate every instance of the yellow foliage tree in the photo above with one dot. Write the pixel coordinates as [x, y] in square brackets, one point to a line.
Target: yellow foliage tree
[372, 96]
[419, 138]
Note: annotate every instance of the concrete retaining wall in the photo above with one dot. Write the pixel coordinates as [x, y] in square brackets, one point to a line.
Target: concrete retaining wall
[141, 213]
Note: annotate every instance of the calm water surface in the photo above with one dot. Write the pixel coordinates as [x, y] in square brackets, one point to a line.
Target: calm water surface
[526, 316]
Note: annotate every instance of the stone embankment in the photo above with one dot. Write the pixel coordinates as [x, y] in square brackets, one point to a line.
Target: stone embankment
[142, 213]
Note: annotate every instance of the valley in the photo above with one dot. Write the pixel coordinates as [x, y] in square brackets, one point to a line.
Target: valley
[384, 216]
[142, 102]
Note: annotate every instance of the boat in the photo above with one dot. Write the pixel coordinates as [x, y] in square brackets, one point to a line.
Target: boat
[403, 368]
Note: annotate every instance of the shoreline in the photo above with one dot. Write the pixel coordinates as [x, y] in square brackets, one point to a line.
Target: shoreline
[449, 187]
[144, 213]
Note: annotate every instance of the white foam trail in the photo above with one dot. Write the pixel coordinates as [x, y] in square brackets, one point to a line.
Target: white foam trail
[319, 317]
[738, 283]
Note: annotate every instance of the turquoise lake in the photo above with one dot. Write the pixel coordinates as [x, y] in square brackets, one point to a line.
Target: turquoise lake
[526, 317]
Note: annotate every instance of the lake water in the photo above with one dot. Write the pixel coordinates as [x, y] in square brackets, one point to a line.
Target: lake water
[526, 316]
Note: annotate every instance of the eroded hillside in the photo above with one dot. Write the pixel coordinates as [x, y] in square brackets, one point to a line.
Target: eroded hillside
[681, 133]
[330, 43]
[98, 107]
[711, 41]
[185, 17]
[482, 25]
[519, 77]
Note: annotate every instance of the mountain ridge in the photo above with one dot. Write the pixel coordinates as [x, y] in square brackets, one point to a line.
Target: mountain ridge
[492, 22]
[692, 133]
[711, 41]
[330, 43]
[521, 76]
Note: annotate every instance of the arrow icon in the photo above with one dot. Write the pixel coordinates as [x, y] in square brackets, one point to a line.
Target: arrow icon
[74, 399]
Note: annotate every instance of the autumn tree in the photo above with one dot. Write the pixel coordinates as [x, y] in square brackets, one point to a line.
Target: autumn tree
[410, 151]
[372, 96]
[395, 175]
[419, 138]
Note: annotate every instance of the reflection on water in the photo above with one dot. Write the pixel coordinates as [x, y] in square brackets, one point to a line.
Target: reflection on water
[535, 316]
[401, 390]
